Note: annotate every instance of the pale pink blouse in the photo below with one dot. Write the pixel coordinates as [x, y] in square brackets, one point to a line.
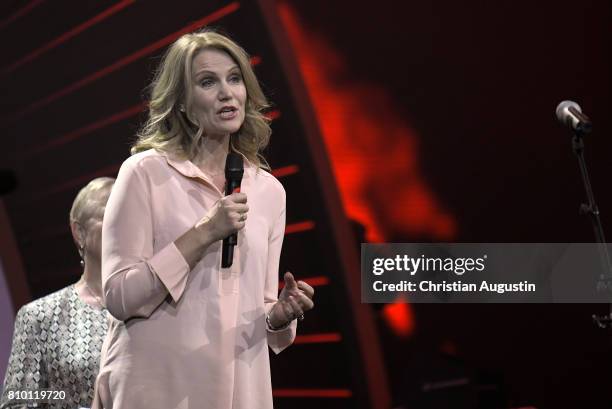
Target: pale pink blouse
[180, 338]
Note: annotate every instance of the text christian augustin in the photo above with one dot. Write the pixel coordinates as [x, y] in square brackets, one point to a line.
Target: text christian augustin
[456, 266]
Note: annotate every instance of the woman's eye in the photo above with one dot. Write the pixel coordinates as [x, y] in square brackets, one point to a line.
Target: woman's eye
[235, 78]
[206, 82]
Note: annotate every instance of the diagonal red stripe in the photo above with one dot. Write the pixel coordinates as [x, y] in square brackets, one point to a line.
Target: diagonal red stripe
[76, 182]
[299, 227]
[20, 13]
[313, 281]
[116, 117]
[285, 171]
[255, 60]
[230, 8]
[67, 35]
[272, 115]
[318, 338]
[71, 136]
[312, 393]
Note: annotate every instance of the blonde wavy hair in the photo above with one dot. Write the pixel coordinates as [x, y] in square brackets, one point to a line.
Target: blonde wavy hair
[170, 130]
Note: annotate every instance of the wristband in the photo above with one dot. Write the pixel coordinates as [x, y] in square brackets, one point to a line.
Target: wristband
[276, 328]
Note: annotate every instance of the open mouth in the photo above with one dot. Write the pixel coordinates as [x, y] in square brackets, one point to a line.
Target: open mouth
[228, 112]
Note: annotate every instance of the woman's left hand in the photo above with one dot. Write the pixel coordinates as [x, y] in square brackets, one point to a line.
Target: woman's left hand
[293, 301]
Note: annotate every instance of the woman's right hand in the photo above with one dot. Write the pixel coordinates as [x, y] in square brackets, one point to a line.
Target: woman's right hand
[226, 217]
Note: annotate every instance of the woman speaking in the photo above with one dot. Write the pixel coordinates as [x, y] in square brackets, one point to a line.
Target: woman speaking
[188, 333]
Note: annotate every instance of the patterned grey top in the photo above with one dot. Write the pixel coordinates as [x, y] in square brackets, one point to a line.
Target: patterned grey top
[56, 346]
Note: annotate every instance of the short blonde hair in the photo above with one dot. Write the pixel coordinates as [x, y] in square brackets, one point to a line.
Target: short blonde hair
[81, 207]
[167, 129]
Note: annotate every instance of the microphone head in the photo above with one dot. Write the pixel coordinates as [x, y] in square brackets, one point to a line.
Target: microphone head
[570, 114]
[563, 110]
[234, 166]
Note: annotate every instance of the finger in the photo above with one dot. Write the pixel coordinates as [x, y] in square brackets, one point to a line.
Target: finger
[238, 197]
[240, 208]
[290, 281]
[295, 306]
[234, 216]
[304, 302]
[240, 216]
[287, 310]
[237, 221]
[307, 288]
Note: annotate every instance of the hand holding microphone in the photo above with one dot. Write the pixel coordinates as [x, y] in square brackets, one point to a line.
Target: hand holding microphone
[229, 213]
[227, 217]
[234, 169]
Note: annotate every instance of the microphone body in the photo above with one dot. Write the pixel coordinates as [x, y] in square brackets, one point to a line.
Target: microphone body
[570, 114]
[234, 169]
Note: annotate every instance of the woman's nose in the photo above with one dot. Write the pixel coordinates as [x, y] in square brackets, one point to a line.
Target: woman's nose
[224, 91]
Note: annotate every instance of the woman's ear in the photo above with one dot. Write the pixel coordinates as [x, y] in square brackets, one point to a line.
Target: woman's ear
[78, 234]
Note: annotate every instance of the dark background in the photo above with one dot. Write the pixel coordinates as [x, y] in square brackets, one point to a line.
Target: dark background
[477, 81]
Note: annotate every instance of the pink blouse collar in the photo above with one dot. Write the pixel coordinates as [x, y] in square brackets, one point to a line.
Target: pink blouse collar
[189, 169]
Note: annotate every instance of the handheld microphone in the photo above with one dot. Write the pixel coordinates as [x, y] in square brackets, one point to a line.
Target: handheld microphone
[570, 114]
[234, 169]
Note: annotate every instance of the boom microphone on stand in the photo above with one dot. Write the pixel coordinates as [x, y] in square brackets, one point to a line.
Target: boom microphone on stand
[570, 114]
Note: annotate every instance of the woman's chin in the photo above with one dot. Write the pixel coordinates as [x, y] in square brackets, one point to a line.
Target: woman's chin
[221, 132]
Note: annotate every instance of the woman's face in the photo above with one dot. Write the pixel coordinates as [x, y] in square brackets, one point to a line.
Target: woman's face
[219, 94]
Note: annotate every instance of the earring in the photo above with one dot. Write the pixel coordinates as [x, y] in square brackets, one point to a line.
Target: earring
[182, 108]
[81, 250]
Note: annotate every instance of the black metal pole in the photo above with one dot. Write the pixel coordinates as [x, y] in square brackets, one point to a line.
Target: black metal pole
[590, 208]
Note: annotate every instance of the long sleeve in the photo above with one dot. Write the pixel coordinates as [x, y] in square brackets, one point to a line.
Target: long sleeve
[135, 279]
[281, 339]
[26, 369]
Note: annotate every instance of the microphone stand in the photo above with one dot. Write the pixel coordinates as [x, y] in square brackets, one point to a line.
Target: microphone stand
[591, 209]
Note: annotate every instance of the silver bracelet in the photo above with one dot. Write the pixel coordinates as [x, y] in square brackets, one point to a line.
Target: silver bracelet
[270, 326]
